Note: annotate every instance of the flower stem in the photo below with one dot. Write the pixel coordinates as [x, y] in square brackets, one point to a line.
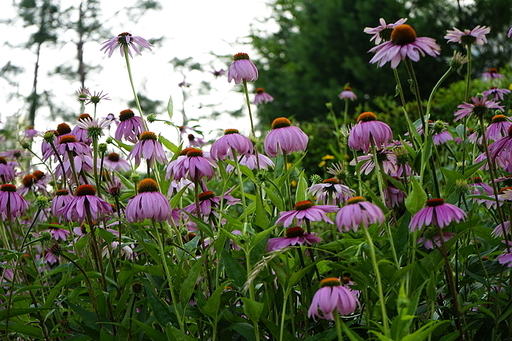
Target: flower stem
[248, 102]
[337, 322]
[135, 96]
[380, 292]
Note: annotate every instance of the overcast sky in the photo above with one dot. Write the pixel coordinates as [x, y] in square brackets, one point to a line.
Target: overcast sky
[193, 28]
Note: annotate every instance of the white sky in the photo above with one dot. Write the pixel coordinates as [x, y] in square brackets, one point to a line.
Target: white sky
[192, 28]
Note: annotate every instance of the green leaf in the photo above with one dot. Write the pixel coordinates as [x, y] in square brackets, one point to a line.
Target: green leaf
[152, 333]
[302, 188]
[187, 288]
[424, 332]
[170, 108]
[24, 329]
[174, 334]
[211, 308]
[233, 269]
[417, 198]
[160, 310]
[252, 308]
[168, 144]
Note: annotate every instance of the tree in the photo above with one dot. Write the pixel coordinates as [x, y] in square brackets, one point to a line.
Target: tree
[320, 46]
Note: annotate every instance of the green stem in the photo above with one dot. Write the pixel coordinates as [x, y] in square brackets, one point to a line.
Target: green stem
[248, 102]
[380, 291]
[135, 96]
[337, 322]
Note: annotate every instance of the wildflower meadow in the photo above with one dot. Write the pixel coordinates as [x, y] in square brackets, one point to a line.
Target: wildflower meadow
[110, 231]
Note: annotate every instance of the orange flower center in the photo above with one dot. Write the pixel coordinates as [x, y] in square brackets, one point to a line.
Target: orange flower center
[61, 192]
[403, 35]
[240, 56]
[367, 117]
[147, 135]
[330, 282]
[435, 202]
[126, 115]
[294, 232]
[231, 131]
[331, 181]
[259, 90]
[84, 117]
[147, 185]
[85, 190]
[281, 122]
[303, 205]
[114, 157]
[67, 139]
[3, 160]
[194, 152]
[38, 174]
[63, 129]
[8, 188]
[355, 200]
[186, 150]
[499, 118]
[206, 195]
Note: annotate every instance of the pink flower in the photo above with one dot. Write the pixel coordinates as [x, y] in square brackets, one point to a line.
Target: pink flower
[231, 140]
[330, 192]
[262, 96]
[11, 203]
[57, 232]
[468, 37]
[432, 238]
[294, 236]
[195, 142]
[84, 205]
[193, 167]
[62, 198]
[304, 210]
[368, 130]
[68, 143]
[284, 138]
[383, 32]
[148, 148]
[496, 94]
[125, 41]
[148, 204]
[347, 94]
[479, 107]
[492, 74]
[208, 201]
[498, 128]
[252, 161]
[332, 297]
[404, 44]
[6, 171]
[358, 212]
[242, 69]
[31, 132]
[114, 162]
[437, 213]
[129, 127]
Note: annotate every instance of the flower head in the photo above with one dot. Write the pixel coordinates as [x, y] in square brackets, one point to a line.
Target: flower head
[383, 31]
[242, 69]
[114, 162]
[368, 129]
[126, 43]
[330, 192]
[479, 107]
[358, 212]
[492, 74]
[436, 213]
[148, 204]
[284, 138]
[404, 44]
[496, 94]
[294, 236]
[231, 140]
[261, 96]
[498, 128]
[149, 149]
[332, 297]
[468, 37]
[96, 97]
[305, 210]
[11, 203]
[85, 204]
[129, 126]
[193, 166]
[347, 94]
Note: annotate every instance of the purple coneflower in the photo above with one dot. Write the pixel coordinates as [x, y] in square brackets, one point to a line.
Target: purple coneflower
[57, 232]
[332, 297]
[148, 204]
[506, 257]
[231, 140]
[208, 201]
[6, 171]
[27, 184]
[431, 238]
[194, 166]
[437, 213]
[368, 130]
[195, 142]
[61, 199]
[261, 96]
[393, 196]
[252, 161]
[330, 192]
[479, 107]
[294, 236]
[509, 34]
[305, 210]
[492, 74]
[284, 138]
[218, 73]
[501, 229]
[30, 132]
[468, 37]
[501, 149]
[498, 128]
[496, 94]
[386, 158]
[358, 212]
[11, 203]
[93, 126]
[347, 94]
[242, 69]
[83, 94]
[69, 143]
[148, 148]
[85, 205]
[129, 127]
[383, 32]
[125, 41]
[97, 97]
[477, 187]
[114, 162]
[404, 44]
